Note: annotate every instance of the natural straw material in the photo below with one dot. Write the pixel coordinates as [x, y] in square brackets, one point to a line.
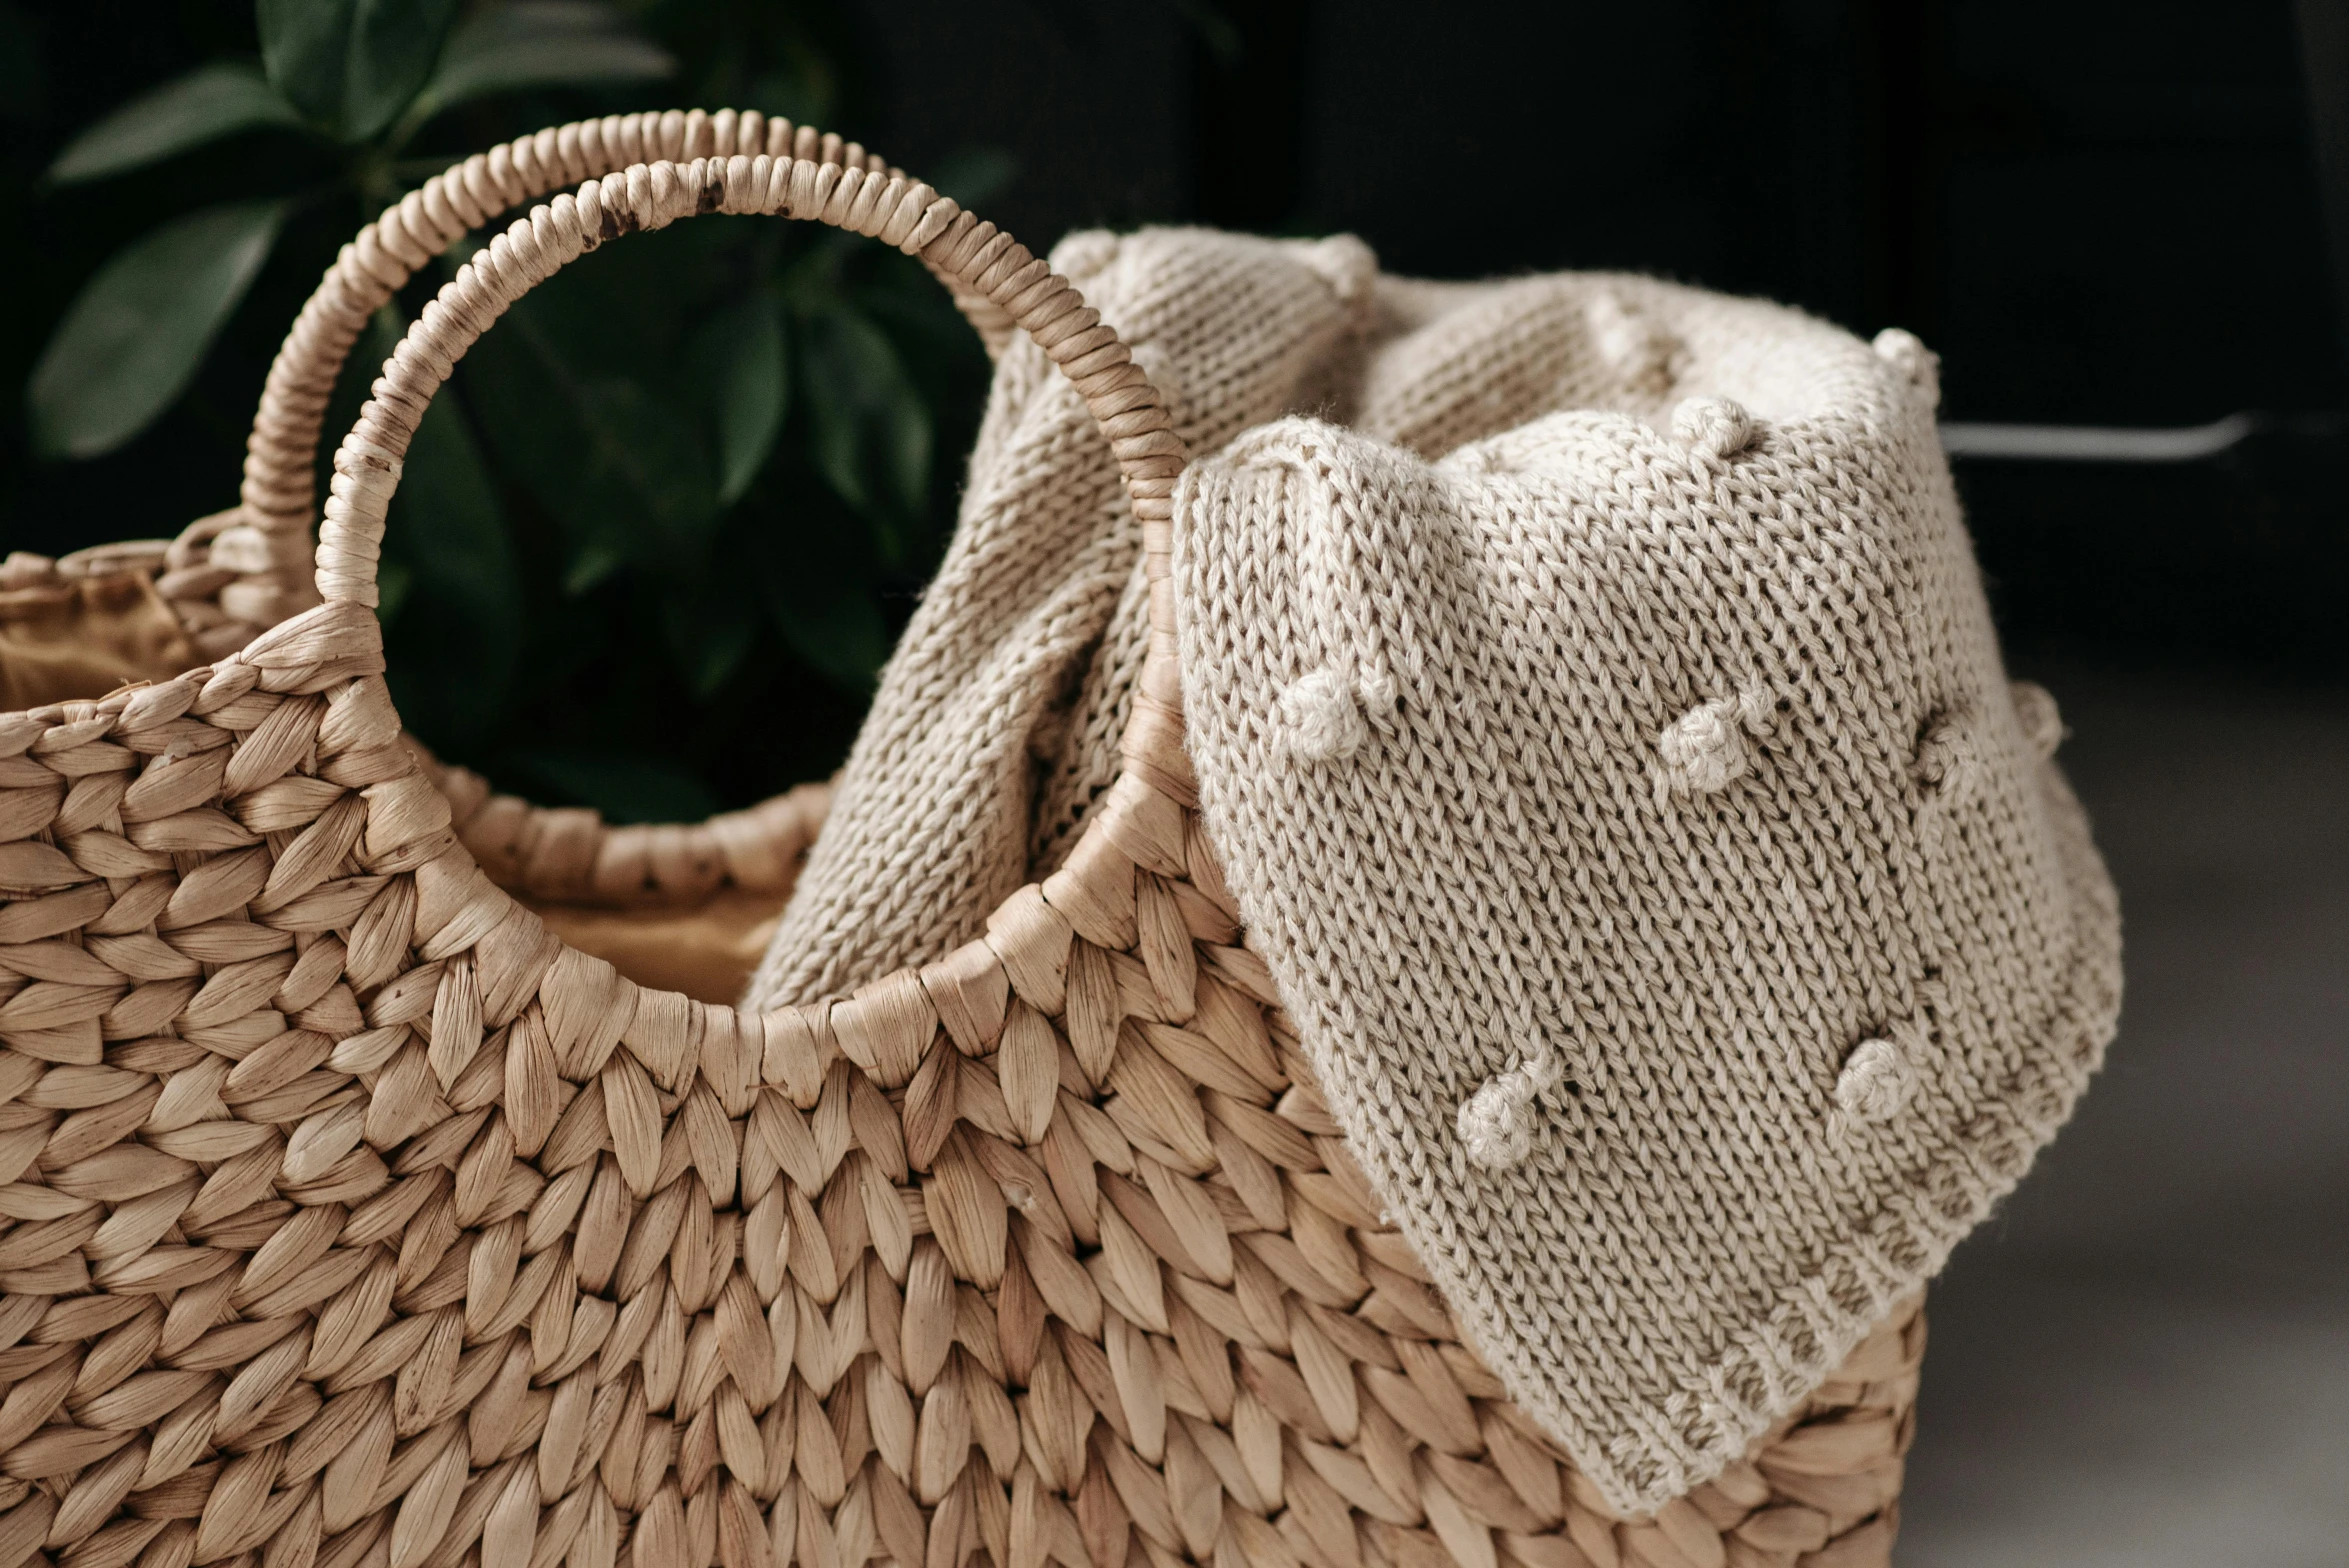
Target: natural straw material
[356, 1220]
[246, 568]
[88, 622]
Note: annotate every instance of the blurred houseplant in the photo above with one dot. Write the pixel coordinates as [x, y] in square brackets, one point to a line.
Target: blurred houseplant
[692, 480]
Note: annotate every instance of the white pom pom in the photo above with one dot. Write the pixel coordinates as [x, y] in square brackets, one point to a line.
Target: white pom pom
[1878, 1079]
[1496, 1122]
[1321, 718]
[1713, 425]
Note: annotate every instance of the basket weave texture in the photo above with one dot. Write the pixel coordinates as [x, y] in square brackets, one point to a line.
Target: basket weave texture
[355, 1219]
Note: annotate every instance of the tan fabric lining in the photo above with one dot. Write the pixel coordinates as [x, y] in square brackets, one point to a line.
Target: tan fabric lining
[83, 637]
[706, 951]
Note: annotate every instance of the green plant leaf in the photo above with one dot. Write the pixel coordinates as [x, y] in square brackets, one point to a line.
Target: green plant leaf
[21, 65]
[208, 103]
[833, 624]
[868, 428]
[647, 470]
[133, 337]
[447, 514]
[624, 788]
[625, 473]
[461, 607]
[975, 176]
[538, 43]
[709, 625]
[393, 580]
[738, 357]
[804, 93]
[351, 65]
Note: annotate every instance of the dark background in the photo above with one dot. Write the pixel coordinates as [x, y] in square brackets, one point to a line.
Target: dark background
[2096, 211]
[2099, 212]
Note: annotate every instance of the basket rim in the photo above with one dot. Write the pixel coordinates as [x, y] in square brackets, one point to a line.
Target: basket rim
[335, 646]
[1142, 845]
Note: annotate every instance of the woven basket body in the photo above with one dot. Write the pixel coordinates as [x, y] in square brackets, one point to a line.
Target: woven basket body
[353, 1217]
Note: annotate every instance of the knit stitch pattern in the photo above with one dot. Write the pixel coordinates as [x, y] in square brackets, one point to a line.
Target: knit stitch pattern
[1674, 898]
[997, 719]
[1599, 721]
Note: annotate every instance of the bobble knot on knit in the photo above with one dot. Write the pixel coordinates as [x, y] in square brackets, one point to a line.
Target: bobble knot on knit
[1706, 748]
[2041, 721]
[1947, 761]
[1496, 1127]
[1467, 887]
[1496, 1122]
[1878, 1079]
[1086, 254]
[1713, 426]
[1321, 718]
[1918, 365]
[1344, 262]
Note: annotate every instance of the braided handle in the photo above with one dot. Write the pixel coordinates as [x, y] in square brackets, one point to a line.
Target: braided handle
[972, 255]
[265, 541]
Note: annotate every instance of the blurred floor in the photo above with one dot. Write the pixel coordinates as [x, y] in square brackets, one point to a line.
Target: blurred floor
[2144, 1359]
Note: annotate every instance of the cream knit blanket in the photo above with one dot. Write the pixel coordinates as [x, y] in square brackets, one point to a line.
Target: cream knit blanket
[997, 719]
[1614, 766]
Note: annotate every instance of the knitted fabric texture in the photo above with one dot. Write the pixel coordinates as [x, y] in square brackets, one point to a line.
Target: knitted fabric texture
[1678, 906]
[1601, 728]
[997, 719]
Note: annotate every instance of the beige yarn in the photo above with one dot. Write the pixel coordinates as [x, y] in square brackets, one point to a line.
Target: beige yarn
[992, 714]
[1675, 905]
[358, 1217]
[1630, 806]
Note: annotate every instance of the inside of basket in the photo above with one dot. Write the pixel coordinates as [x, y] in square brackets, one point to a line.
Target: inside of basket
[64, 637]
[705, 950]
[78, 637]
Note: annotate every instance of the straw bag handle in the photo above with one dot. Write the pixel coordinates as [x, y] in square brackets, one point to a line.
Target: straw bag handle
[965, 250]
[265, 539]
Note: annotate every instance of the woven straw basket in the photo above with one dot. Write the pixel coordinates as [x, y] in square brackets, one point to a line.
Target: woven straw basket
[354, 1218]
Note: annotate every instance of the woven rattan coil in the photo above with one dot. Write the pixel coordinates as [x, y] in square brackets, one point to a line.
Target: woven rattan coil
[354, 1219]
